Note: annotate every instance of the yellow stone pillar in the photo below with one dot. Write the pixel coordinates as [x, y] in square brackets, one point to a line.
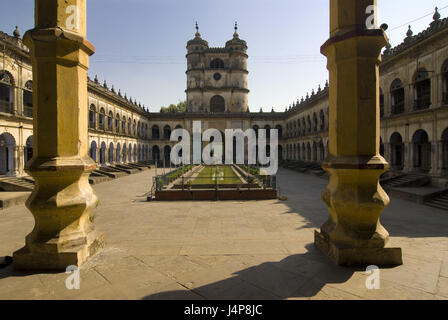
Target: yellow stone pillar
[62, 200]
[353, 234]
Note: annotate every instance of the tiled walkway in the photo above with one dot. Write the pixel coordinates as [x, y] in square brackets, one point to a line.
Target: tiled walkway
[230, 250]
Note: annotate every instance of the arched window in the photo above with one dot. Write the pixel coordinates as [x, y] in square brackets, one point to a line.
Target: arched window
[314, 121]
[217, 64]
[139, 129]
[167, 132]
[129, 126]
[101, 119]
[118, 153]
[299, 127]
[29, 149]
[445, 82]
[155, 132]
[123, 126]
[110, 122]
[217, 104]
[92, 117]
[303, 126]
[422, 90]
[155, 153]
[303, 151]
[117, 123]
[397, 97]
[279, 131]
[28, 99]
[134, 128]
[322, 120]
[6, 92]
[309, 124]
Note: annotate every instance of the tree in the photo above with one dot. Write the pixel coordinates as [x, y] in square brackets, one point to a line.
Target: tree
[179, 108]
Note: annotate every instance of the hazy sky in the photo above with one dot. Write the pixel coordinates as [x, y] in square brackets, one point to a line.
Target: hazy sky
[140, 44]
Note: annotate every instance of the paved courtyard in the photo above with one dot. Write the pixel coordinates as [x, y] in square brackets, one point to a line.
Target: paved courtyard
[230, 250]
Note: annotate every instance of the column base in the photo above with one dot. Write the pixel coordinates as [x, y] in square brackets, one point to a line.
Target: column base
[26, 260]
[358, 257]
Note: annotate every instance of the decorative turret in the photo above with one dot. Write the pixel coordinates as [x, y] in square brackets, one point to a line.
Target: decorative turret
[197, 44]
[236, 44]
[16, 33]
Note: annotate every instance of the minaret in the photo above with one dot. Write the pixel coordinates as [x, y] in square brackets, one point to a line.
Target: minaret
[195, 72]
[238, 72]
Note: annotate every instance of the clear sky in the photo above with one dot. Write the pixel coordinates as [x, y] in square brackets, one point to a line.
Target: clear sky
[140, 44]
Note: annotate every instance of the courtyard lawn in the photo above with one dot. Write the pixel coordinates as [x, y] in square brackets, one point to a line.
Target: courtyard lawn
[225, 176]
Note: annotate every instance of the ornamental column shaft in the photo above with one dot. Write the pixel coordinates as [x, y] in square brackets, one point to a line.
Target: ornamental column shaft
[62, 200]
[353, 234]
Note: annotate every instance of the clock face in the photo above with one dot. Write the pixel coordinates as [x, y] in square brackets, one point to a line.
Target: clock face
[217, 76]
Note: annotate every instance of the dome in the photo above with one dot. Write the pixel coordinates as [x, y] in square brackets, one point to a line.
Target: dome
[236, 41]
[197, 39]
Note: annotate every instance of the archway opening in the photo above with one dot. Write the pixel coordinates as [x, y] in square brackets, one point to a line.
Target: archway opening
[217, 104]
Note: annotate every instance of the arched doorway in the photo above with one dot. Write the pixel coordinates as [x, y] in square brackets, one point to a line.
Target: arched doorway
[125, 153]
[111, 153]
[396, 151]
[118, 154]
[93, 149]
[445, 152]
[217, 104]
[155, 153]
[321, 151]
[167, 132]
[130, 153]
[422, 151]
[135, 153]
[103, 154]
[6, 92]
[167, 155]
[7, 145]
[422, 90]
[29, 149]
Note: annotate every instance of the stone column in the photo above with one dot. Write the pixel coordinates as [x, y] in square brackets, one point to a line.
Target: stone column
[62, 201]
[353, 234]
[407, 152]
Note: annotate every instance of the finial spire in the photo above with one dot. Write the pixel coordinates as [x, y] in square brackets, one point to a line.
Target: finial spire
[436, 16]
[409, 33]
[197, 30]
[16, 32]
[235, 35]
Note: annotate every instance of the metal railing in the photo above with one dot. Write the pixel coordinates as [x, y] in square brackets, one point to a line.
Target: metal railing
[6, 107]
